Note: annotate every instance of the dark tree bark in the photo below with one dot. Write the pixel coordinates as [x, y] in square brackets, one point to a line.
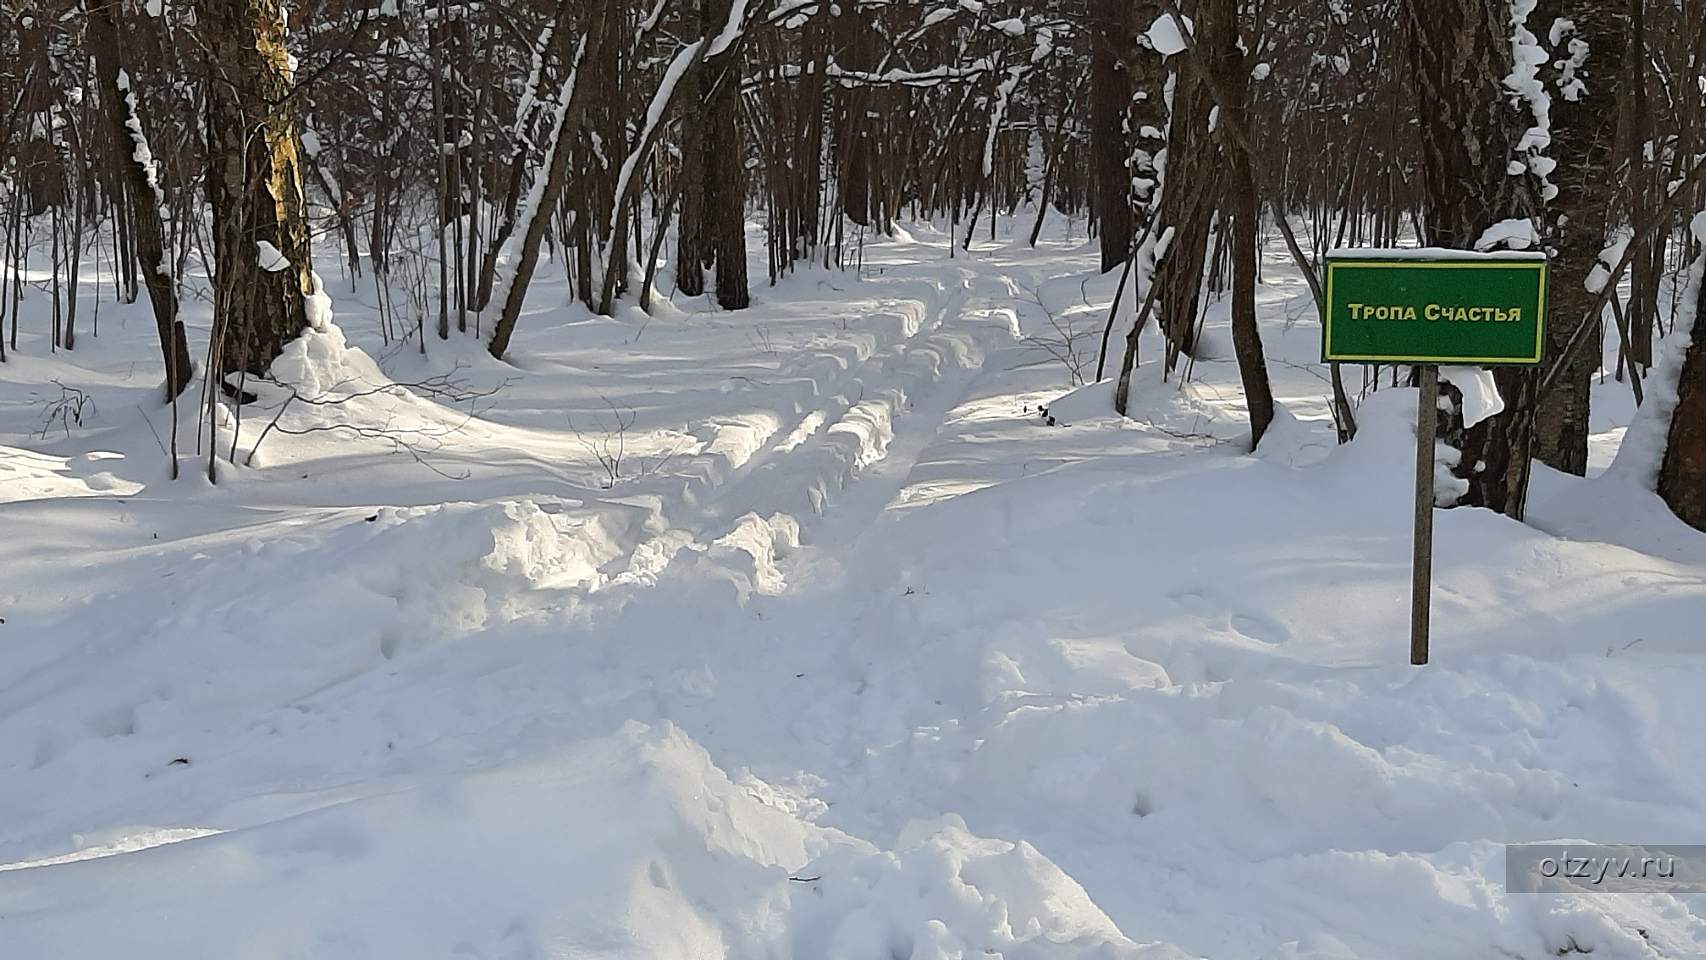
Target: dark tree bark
[139, 186]
[1113, 33]
[254, 182]
[854, 50]
[1147, 117]
[1187, 208]
[1682, 473]
[713, 204]
[38, 159]
[1584, 142]
[1241, 206]
[1459, 56]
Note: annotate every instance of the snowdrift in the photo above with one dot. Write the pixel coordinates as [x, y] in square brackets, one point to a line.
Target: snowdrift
[632, 846]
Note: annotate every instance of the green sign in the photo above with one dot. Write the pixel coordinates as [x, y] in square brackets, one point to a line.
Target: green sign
[1435, 306]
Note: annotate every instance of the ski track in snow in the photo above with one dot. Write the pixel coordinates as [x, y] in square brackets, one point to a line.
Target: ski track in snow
[865, 609]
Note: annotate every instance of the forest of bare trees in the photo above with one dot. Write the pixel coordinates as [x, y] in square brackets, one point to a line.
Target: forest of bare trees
[445, 149]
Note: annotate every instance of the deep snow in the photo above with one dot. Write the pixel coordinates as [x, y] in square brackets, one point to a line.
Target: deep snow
[880, 641]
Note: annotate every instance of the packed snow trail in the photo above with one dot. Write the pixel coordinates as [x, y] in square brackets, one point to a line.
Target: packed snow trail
[867, 658]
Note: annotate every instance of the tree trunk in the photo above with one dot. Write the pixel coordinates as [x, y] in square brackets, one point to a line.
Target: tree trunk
[854, 41]
[1147, 116]
[254, 183]
[125, 125]
[1682, 473]
[1460, 53]
[535, 220]
[1241, 208]
[1584, 142]
[713, 211]
[1113, 33]
[1187, 209]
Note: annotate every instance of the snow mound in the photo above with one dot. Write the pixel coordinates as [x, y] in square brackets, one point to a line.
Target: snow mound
[352, 591]
[632, 846]
[1182, 410]
[944, 894]
[321, 364]
[1093, 401]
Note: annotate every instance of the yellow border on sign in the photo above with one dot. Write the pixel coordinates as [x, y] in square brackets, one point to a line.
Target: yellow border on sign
[1502, 264]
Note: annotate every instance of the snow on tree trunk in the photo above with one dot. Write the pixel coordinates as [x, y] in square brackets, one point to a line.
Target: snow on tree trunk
[1187, 206]
[1584, 120]
[534, 217]
[1462, 64]
[137, 166]
[1682, 476]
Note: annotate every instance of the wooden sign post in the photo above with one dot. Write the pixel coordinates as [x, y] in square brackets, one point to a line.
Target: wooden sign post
[1431, 307]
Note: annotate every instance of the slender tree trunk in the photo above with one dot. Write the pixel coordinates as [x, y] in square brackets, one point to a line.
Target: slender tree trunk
[125, 129]
[1220, 39]
[1113, 33]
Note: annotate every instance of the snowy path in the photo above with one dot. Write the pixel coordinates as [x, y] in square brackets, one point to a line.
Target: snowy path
[852, 586]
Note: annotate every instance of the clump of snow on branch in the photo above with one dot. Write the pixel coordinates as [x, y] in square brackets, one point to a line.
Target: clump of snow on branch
[1609, 258]
[1481, 397]
[732, 30]
[1508, 235]
[1165, 37]
[1570, 82]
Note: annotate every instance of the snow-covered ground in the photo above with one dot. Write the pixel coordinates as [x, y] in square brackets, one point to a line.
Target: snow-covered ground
[854, 654]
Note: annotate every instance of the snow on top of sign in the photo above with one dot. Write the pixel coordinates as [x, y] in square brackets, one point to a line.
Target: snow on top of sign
[1430, 253]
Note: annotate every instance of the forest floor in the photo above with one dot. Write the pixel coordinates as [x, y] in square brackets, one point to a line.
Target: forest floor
[802, 632]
